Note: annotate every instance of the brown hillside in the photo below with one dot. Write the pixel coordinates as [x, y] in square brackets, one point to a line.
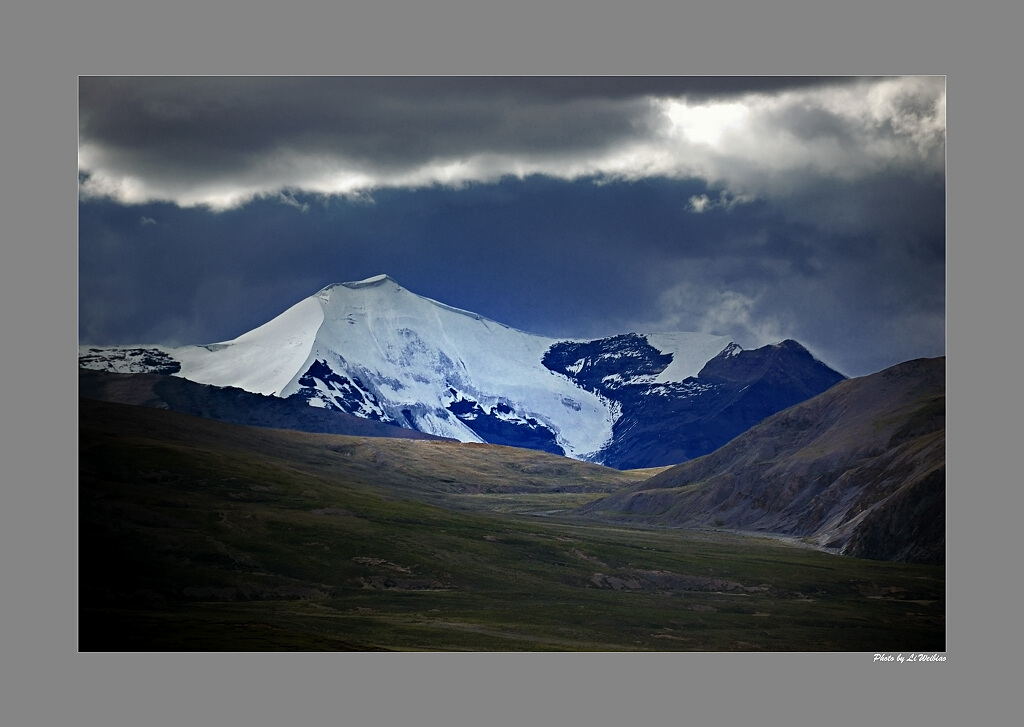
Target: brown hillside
[859, 468]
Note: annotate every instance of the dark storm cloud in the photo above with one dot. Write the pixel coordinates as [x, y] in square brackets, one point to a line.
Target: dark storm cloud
[211, 124]
[407, 119]
[146, 139]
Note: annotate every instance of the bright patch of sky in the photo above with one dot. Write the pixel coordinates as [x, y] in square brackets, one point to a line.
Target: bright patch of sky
[705, 124]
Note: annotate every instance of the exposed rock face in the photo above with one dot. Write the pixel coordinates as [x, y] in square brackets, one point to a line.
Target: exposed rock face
[860, 468]
[664, 423]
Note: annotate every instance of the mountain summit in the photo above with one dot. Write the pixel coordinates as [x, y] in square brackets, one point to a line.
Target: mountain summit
[376, 350]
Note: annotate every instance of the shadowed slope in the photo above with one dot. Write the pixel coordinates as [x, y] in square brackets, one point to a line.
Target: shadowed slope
[860, 468]
[199, 535]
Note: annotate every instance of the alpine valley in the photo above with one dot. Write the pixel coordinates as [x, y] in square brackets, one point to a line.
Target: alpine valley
[374, 350]
[298, 488]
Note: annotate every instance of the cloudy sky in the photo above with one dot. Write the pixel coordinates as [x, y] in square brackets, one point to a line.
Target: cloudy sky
[760, 208]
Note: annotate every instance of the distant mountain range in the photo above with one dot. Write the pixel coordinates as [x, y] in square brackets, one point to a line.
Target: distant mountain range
[377, 352]
[860, 468]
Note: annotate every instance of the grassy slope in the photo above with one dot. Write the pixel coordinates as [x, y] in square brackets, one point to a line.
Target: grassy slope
[876, 444]
[201, 535]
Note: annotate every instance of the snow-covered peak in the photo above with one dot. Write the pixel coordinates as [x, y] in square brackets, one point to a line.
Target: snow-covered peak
[372, 281]
[414, 356]
[386, 297]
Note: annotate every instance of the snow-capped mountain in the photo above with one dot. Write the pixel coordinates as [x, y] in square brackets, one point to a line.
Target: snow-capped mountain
[376, 350]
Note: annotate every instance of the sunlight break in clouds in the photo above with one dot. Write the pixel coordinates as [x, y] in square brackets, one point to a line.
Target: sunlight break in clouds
[705, 124]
